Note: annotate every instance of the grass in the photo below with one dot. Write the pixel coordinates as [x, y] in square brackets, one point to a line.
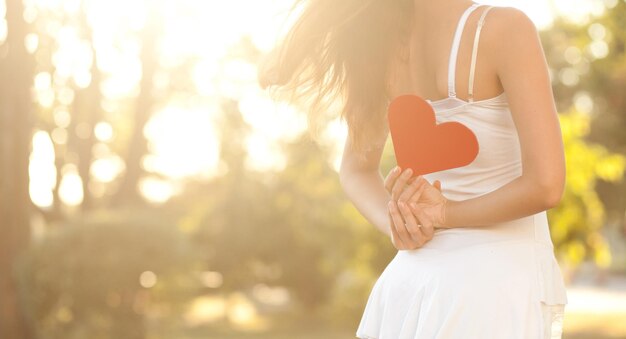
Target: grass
[577, 326]
[590, 334]
[590, 326]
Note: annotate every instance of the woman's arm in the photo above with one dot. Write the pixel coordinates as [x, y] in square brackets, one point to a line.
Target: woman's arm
[364, 185]
[522, 68]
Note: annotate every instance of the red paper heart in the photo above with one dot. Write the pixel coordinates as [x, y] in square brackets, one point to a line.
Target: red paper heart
[423, 145]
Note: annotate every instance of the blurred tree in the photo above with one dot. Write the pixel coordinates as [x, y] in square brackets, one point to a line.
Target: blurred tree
[290, 228]
[75, 107]
[128, 190]
[16, 75]
[87, 112]
[308, 201]
[576, 223]
[588, 62]
[106, 275]
[64, 34]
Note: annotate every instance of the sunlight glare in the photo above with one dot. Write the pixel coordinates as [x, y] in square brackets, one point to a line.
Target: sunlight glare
[147, 279]
[73, 56]
[204, 76]
[182, 142]
[42, 170]
[4, 30]
[579, 11]
[205, 309]
[103, 131]
[212, 279]
[236, 79]
[107, 169]
[71, 186]
[275, 120]
[156, 190]
[271, 295]
[31, 41]
[272, 23]
[272, 123]
[336, 130]
[241, 311]
[263, 155]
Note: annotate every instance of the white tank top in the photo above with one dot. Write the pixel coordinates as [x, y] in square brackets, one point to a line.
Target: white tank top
[499, 157]
[498, 162]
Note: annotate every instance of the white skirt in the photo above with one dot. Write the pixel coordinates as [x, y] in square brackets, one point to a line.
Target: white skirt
[464, 284]
[553, 319]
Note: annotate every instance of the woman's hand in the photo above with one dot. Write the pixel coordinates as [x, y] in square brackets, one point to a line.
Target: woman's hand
[408, 230]
[430, 205]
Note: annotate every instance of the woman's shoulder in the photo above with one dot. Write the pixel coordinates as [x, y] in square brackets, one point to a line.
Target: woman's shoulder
[505, 31]
[505, 23]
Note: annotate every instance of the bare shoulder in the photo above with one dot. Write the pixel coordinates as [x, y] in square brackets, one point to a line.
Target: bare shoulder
[505, 21]
[508, 30]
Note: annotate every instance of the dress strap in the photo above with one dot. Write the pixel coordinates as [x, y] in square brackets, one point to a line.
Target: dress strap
[481, 22]
[455, 49]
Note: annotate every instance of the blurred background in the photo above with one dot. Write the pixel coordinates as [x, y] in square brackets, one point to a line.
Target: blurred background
[150, 189]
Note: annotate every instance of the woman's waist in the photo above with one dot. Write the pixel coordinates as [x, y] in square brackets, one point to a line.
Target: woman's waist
[471, 181]
[522, 229]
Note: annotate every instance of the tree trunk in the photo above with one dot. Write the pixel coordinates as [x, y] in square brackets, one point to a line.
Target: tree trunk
[87, 108]
[16, 73]
[128, 192]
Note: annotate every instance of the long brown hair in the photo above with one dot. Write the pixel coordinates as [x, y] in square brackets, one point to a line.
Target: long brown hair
[340, 49]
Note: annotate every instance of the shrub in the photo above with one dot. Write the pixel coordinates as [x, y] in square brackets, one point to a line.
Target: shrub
[107, 278]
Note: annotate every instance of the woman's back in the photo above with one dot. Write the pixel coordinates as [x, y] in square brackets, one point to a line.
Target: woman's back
[488, 116]
[425, 73]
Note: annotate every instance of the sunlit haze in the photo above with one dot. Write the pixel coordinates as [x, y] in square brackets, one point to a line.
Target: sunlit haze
[182, 132]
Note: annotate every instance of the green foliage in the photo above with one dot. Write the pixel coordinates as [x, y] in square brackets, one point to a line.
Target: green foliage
[293, 228]
[589, 77]
[288, 228]
[587, 60]
[576, 223]
[106, 277]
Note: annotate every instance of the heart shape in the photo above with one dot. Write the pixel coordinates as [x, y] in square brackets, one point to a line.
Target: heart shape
[423, 145]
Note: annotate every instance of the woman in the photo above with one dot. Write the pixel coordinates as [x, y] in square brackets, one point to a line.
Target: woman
[475, 258]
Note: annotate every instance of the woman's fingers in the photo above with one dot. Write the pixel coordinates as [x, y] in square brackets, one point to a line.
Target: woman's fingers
[411, 188]
[415, 197]
[391, 178]
[398, 185]
[437, 185]
[428, 193]
[413, 225]
[398, 223]
[428, 228]
[428, 231]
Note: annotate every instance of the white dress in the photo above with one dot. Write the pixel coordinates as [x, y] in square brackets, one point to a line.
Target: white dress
[500, 281]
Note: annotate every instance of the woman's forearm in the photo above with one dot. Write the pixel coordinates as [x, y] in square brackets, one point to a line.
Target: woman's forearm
[519, 198]
[367, 192]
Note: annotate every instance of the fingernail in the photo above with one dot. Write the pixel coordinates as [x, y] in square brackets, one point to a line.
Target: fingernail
[396, 169]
